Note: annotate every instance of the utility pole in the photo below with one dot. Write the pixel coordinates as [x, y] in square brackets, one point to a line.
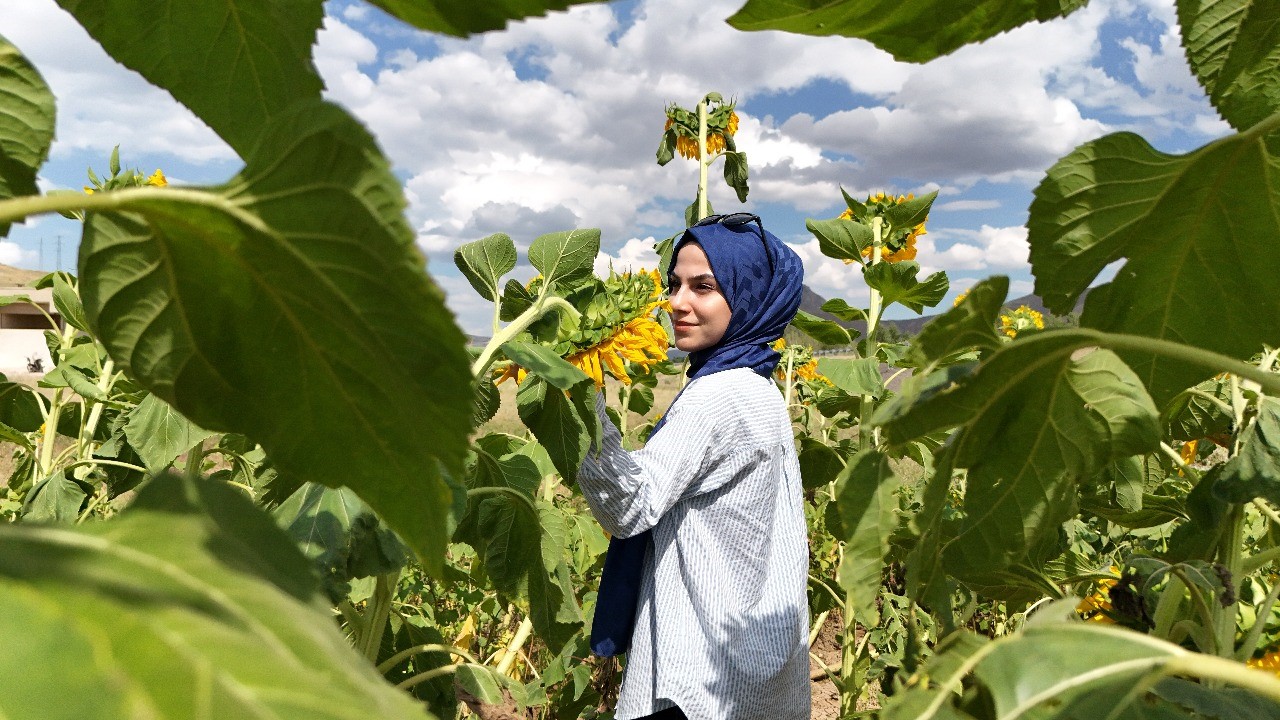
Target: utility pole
[59, 268]
[41, 265]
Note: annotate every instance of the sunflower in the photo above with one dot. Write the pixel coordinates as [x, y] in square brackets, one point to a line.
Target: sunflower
[157, 179]
[1024, 318]
[960, 298]
[1096, 606]
[619, 328]
[902, 244]
[719, 127]
[1270, 662]
[803, 364]
[642, 341]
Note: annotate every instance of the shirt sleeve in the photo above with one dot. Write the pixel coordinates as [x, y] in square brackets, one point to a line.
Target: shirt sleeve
[628, 492]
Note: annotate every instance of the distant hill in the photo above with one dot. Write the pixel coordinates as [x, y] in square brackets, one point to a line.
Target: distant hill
[811, 302]
[12, 276]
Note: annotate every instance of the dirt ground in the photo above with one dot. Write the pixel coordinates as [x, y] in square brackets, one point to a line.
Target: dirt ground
[824, 695]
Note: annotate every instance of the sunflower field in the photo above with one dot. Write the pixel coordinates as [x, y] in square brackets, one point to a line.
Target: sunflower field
[218, 510]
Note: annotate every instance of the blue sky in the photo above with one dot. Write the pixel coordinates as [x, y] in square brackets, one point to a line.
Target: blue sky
[553, 124]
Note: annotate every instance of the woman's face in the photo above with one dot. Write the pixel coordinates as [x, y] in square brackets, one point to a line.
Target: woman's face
[699, 311]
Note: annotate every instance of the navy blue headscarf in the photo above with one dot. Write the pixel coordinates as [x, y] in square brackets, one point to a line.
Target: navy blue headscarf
[761, 279]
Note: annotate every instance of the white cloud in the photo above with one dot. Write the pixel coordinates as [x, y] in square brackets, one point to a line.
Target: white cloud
[1001, 249]
[12, 253]
[100, 103]
[554, 122]
[635, 254]
[961, 205]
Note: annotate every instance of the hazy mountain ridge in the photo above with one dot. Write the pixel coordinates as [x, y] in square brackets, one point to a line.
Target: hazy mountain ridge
[811, 302]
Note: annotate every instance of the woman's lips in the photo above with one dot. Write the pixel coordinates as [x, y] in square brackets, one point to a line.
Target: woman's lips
[683, 325]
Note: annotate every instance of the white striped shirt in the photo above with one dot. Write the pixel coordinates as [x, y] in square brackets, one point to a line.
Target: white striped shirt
[722, 625]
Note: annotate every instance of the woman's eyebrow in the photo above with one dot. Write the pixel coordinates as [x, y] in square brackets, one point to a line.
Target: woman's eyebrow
[696, 278]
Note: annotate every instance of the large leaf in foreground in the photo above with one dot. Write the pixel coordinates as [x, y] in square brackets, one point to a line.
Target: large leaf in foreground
[236, 65]
[466, 17]
[190, 604]
[291, 306]
[1037, 420]
[1233, 47]
[1200, 235]
[1071, 670]
[26, 124]
[912, 31]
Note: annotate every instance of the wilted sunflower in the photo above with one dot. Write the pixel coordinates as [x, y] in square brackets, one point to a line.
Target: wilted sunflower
[618, 326]
[1024, 318]
[722, 123]
[902, 244]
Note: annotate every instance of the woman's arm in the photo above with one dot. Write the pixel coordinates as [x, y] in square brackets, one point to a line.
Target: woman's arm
[630, 491]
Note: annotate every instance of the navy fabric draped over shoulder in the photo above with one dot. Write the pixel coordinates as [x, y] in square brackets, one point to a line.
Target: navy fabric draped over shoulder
[761, 279]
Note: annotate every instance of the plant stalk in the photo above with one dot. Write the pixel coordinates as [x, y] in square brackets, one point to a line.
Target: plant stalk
[540, 307]
[704, 206]
[376, 614]
[513, 648]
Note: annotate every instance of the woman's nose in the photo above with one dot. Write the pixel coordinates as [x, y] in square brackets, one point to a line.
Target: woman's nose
[679, 300]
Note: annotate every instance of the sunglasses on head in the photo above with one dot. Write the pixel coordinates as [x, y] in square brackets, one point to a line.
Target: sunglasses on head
[736, 220]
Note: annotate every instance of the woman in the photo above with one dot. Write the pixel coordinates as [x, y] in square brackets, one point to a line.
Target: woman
[710, 555]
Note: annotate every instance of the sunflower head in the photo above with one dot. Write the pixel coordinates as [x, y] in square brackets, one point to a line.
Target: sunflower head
[900, 244]
[722, 124]
[1096, 606]
[1024, 318]
[618, 326]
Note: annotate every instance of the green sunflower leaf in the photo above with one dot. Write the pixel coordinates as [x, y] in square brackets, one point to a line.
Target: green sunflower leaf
[26, 125]
[291, 306]
[1232, 48]
[911, 31]
[1197, 232]
[461, 18]
[897, 283]
[565, 257]
[1037, 420]
[826, 332]
[841, 239]
[235, 65]
[190, 603]
[969, 325]
[868, 511]
[485, 261]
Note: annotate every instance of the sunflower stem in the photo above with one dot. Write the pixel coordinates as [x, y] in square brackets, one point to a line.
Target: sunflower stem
[541, 306]
[704, 206]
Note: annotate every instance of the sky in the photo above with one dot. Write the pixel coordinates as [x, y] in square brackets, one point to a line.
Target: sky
[553, 124]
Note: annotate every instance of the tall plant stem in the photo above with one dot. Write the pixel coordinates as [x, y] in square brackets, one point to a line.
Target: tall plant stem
[376, 614]
[90, 427]
[624, 412]
[1231, 556]
[849, 649]
[791, 379]
[866, 437]
[45, 464]
[512, 650]
[704, 206]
